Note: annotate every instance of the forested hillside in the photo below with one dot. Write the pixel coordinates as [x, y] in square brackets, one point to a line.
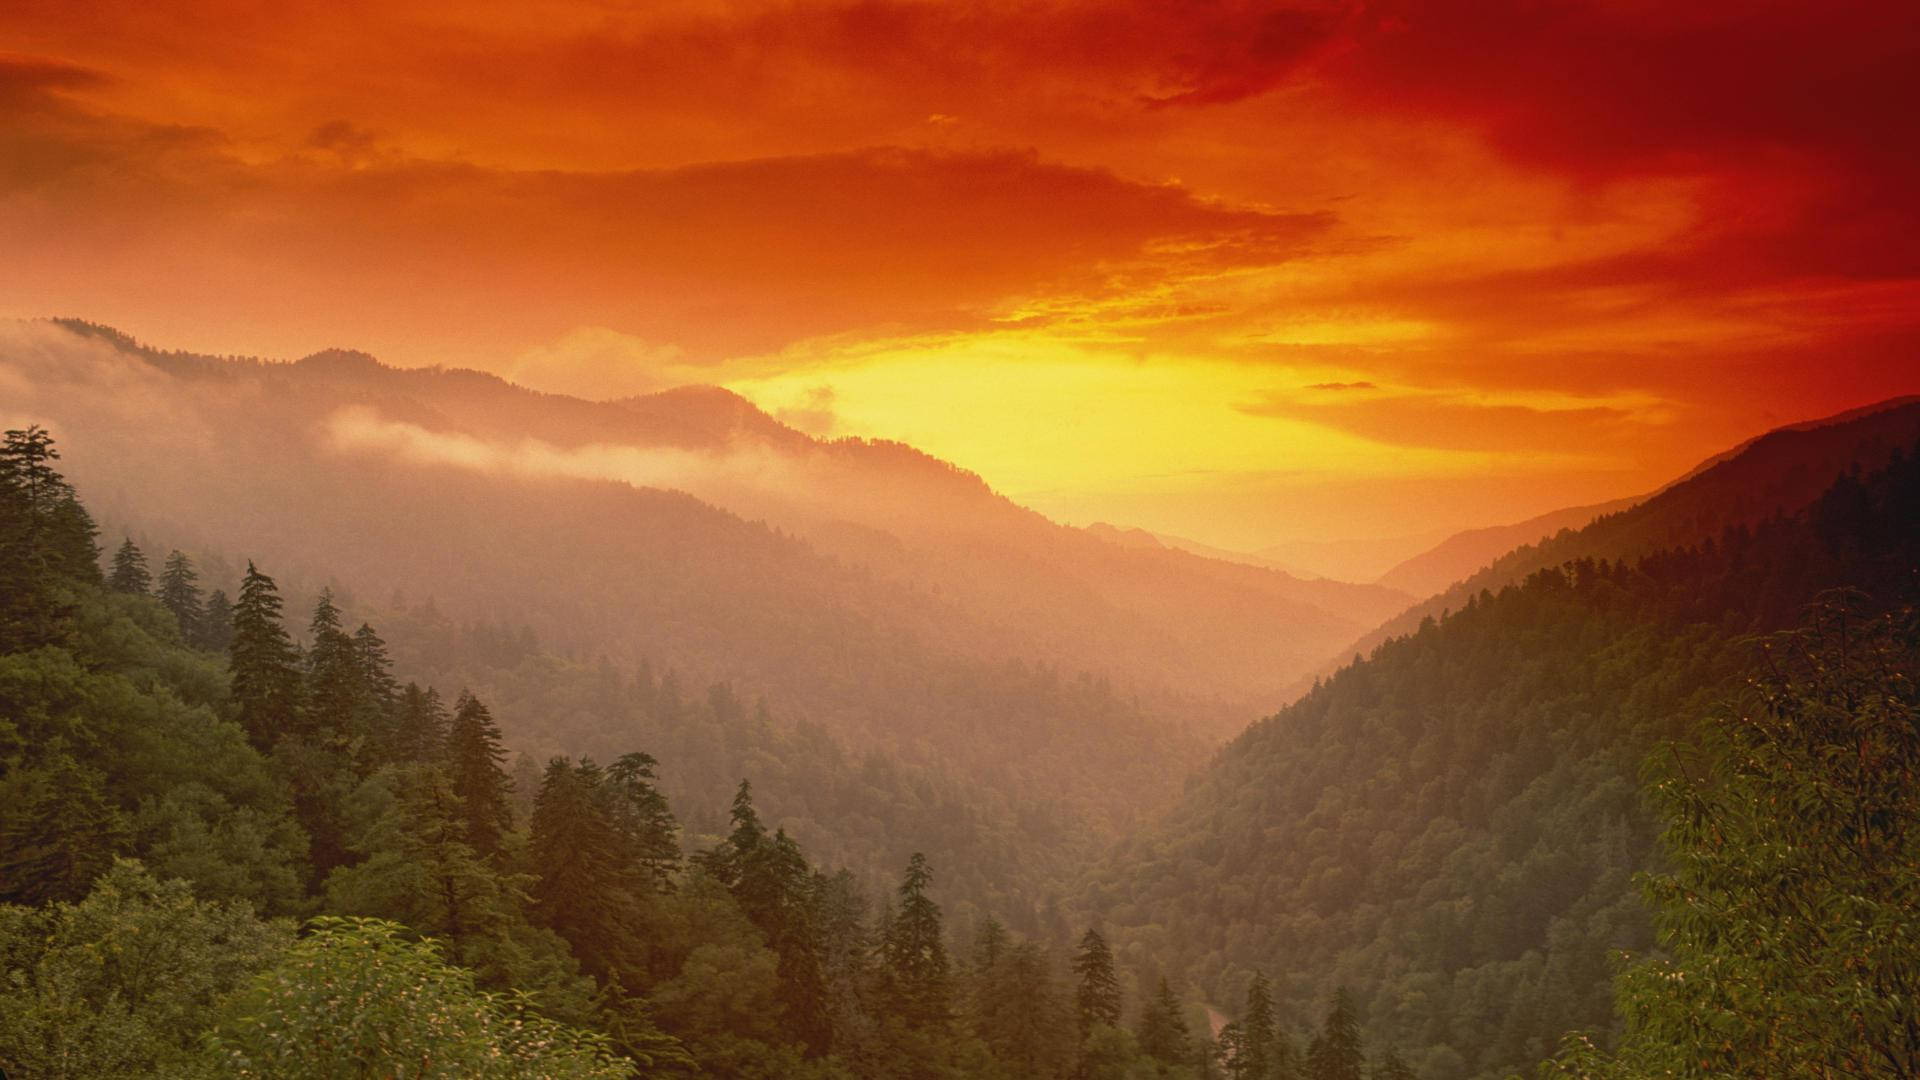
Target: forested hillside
[1450, 826]
[1777, 473]
[180, 782]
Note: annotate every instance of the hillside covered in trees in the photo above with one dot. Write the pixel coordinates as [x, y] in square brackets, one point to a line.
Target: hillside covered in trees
[1451, 827]
[226, 852]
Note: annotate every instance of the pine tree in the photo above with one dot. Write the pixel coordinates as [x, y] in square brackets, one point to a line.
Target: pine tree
[771, 881]
[1230, 1050]
[1336, 1053]
[333, 679]
[419, 729]
[264, 662]
[727, 862]
[990, 945]
[1163, 1028]
[583, 887]
[47, 534]
[1257, 1026]
[180, 592]
[215, 630]
[130, 571]
[58, 831]
[913, 957]
[474, 757]
[846, 951]
[1391, 1067]
[377, 700]
[641, 817]
[1028, 1028]
[419, 869]
[46, 541]
[1097, 996]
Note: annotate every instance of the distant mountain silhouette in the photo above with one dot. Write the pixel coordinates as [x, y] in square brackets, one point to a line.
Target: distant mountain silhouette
[1465, 552]
[687, 527]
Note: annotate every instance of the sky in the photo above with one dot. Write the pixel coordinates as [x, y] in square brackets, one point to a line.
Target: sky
[1244, 272]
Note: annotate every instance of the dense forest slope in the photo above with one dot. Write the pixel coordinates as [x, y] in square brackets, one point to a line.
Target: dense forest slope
[1777, 473]
[1450, 826]
[228, 852]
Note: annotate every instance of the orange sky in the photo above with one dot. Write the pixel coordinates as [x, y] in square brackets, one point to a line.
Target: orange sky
[1242, 271]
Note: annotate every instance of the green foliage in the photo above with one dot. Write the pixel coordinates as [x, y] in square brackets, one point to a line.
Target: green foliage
[1391, 1067]
[1162, 1031]
[58, 831]
[356, 998]
[1026, 1021]
[180, 592]
[418, 729]
[47, 553]
[264, 663]
[1788, 927]
[1096, 995]
[1336, 1053]
[216, 623]
[130, 574]
[1451, 827]
[474, 756]
[914, 973]
[416, 866]
[123, 982]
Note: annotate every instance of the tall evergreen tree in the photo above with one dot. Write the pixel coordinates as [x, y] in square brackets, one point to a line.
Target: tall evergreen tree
[846, 950]
[215, 630]
[333, 680]
[1258, 1022]
[419, 729]
[420, 870]
[1336, 1053]
[1163, 1031]
[377, 699]
[1230, 1050]
[640, 816]
[1027, 1027]
[130, 573]
[180, 592]
[46, 542]
[50, 534]
[264, 662]
[914, 971]
[577, 888]
[1391, 1067]
[990, 945]
[474, 757]
[770, 880]
[58, 831]
[1097, 993]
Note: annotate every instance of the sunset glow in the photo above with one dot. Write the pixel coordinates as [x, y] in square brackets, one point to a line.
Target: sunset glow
[1244, 272]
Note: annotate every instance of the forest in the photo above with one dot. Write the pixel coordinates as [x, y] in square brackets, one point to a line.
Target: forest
[228, 852]
[234, 840]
